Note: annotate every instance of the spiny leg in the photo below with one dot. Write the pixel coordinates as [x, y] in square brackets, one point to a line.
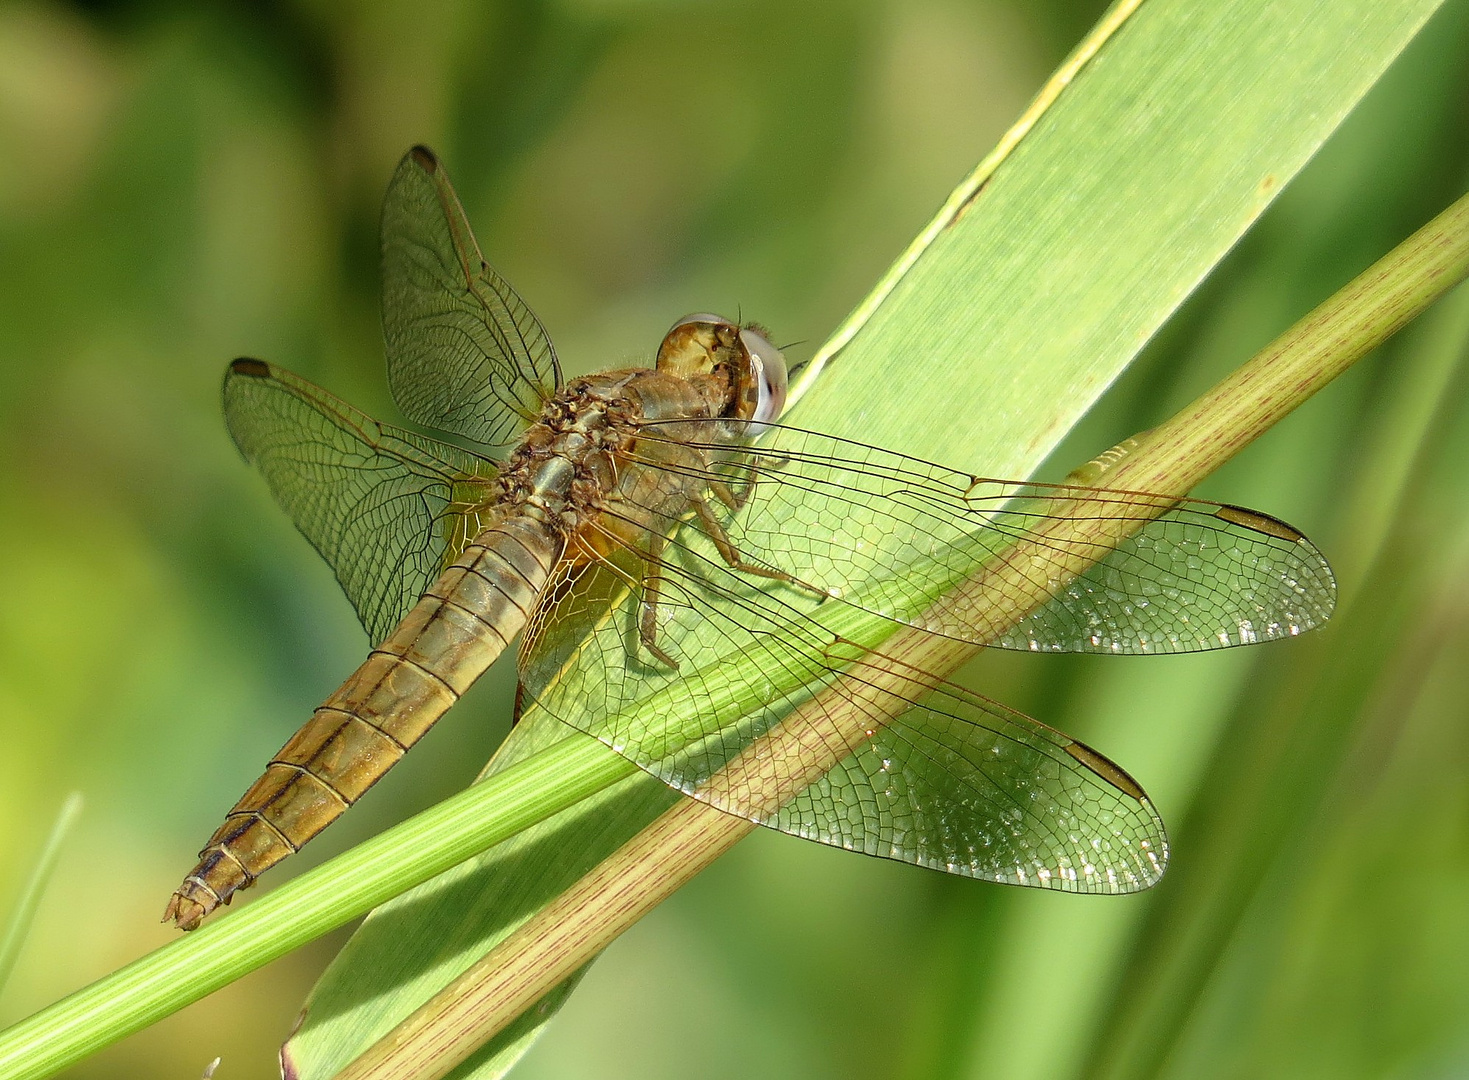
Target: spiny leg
[731, 554]
[648, 607]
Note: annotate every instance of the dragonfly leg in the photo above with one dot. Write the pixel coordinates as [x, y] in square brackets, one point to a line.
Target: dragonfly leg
[731, 554]
[648, 609]
[729, 496]
[736, 498]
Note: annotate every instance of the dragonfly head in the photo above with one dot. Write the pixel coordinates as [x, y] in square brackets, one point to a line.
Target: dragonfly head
[702, 343]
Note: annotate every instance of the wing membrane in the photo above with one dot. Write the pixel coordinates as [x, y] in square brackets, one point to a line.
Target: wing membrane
[387, 509]
[465, 353]
[840, 516]
[946, 779]
[932, 774]
[962, 784]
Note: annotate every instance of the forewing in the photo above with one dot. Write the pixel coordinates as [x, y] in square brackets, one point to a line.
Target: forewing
[387, 509]
[941, 778]
[892, 534]
[465, 353]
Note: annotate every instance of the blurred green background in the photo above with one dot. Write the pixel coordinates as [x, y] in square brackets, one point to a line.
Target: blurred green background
[184, 183]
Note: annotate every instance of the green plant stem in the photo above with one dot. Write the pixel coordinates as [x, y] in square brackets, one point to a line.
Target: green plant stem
[320, 900]
[1350, 324]
[569, 932]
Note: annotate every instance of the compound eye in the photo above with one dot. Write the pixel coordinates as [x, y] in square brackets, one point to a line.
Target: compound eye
[770, 375]
[700, 317]
[690, 346]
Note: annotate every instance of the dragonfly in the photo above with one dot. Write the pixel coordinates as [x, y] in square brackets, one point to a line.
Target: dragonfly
[686, 575]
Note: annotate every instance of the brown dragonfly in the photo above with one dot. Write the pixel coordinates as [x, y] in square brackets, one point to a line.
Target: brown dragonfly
[684, 572]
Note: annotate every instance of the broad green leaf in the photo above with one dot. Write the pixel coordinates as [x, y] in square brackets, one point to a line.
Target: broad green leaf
[1011, 315]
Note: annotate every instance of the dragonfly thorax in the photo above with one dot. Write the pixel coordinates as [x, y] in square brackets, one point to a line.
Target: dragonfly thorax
[585, 444]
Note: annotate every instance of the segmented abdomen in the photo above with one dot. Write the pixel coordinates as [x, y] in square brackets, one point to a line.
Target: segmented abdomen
[455, 631]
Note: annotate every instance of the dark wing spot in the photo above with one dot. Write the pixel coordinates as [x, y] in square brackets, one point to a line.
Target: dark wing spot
[1107, 769]
[1260, 523]
[256, 369]
[425, 157]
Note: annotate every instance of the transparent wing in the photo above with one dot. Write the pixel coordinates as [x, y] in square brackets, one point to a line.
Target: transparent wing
[841, 516]
[387, 509]
[926, 773]
[962, 784]
[942, 778]
[465, 353]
